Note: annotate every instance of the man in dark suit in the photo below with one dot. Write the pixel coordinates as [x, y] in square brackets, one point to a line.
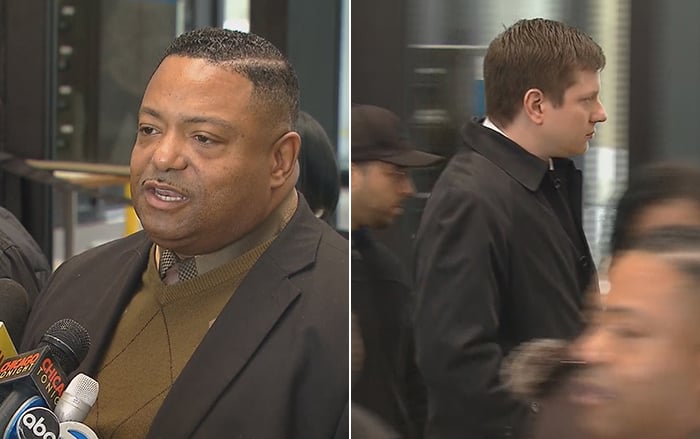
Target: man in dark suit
[501, 257]
[228, 315]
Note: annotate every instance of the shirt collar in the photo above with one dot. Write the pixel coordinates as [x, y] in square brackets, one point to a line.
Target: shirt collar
[488, 123]
[491, 142]
[269, 228]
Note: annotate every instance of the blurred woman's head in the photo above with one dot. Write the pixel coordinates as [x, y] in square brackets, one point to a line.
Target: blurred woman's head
[319, 179]
[659, 195]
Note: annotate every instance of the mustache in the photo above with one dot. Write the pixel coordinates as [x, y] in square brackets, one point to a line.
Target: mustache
[165, 180]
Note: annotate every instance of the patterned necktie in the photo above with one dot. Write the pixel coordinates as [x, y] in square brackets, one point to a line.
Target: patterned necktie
[184, 269]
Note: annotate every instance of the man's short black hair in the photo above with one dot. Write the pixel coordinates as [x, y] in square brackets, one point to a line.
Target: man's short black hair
[275, 84]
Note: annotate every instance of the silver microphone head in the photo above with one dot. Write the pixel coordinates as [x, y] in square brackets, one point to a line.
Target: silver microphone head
[77, 399]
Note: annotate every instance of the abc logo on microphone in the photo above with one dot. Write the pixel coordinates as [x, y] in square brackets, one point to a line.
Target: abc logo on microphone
[38, 423]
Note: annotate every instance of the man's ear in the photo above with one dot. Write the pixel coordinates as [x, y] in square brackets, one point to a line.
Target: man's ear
[284, 156]
[533, 105]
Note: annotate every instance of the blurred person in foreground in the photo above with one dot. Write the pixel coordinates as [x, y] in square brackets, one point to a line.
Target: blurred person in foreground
[233, 300]
[638, 372]
[658, 196]
[23, 261]
[388, 382]
[319, 178]
[501, 257]
[21, 258]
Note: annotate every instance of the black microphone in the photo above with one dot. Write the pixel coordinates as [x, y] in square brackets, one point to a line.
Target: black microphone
[14, 307]
[534, 368]
[40, 374]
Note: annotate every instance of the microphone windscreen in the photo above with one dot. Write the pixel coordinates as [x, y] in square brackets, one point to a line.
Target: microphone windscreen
[531, 368]
[69, 343]
[14, 308]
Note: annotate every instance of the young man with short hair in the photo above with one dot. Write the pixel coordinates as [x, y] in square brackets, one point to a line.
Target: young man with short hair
[501, 257]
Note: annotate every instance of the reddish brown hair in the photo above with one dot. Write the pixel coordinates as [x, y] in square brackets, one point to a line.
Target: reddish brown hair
[535, 53]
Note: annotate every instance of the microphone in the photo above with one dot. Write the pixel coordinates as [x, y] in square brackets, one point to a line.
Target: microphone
[39, 376]
[534, 368]
[42, 423]
[76, 430]
[77, 399]
[15, 307]
[38, 423]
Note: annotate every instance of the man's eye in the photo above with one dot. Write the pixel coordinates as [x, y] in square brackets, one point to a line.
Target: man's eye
[202, 139]
[147, 130]
[624, 332]
[398, 173]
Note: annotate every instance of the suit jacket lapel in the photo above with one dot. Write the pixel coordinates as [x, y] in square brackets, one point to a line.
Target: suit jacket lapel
[240, 328]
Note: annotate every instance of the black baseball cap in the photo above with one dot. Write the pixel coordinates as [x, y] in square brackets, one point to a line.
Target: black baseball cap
[376, 134]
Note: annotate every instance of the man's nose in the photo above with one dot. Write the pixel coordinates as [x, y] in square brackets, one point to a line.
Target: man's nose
[601, 115]
[591, 347]
[168, 154]
[407, 187]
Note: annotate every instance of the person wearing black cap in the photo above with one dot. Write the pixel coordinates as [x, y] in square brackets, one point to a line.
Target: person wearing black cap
[501, 257]
[388, 383]
[380, 156]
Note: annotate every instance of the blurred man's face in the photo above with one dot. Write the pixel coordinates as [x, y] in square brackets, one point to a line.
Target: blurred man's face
[377, 193]
[642, 349]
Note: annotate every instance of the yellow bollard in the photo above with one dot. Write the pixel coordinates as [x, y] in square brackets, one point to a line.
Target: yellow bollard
[131, 221]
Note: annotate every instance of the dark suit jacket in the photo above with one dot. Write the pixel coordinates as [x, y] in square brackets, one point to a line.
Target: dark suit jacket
[367, 425]
[273, 365]
[556, 417]
[389, 384]
[498, 262]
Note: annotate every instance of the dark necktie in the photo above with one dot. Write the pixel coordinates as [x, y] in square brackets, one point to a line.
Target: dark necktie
[184, 269]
